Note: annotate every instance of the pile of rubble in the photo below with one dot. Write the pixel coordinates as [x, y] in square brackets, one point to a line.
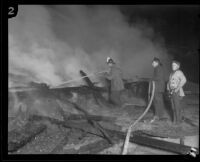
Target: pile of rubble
[59, 121]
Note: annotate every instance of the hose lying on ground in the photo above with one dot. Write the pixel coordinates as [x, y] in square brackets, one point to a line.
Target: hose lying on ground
[125, 149]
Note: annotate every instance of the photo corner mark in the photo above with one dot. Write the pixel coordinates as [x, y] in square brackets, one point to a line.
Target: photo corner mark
[12, 10]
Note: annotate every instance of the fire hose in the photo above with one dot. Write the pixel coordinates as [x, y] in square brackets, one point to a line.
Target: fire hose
[76, 79]
[125, 148]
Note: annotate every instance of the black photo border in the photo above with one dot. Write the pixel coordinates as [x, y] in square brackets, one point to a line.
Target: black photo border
[4, 90]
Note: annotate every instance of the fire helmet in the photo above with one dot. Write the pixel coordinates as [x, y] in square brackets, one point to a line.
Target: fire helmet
[110, 60]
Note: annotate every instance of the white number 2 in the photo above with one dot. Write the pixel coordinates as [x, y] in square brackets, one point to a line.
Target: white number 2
[11, 11]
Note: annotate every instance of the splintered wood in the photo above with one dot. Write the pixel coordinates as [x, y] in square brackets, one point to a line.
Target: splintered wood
[74, 127]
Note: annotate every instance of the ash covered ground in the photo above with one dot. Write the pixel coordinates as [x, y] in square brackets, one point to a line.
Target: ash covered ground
[43, 121]
[48, 45]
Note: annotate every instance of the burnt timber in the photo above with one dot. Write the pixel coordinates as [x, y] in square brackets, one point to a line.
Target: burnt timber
[137, 137]
[17, 140]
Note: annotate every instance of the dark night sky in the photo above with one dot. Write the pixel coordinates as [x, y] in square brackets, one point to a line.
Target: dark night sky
[179, 25]
[174, 22]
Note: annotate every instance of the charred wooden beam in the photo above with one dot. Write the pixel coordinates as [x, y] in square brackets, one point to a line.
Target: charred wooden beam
[19, 138]
[39, 85]
[97, 95]
[163, 145]
[136, 137]
[92, 117]
[77, 123]
[70, 116]
[93, 123]
[144, 140]
[90, 84]
[88, 81]
[110, 126]
[84, 126]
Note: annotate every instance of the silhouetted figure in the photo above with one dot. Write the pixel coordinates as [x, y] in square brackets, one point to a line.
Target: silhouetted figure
[117, 85]
[159, 78]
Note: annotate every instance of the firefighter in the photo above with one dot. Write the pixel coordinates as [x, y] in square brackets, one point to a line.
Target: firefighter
[159, 78]
[117, 86]
[175, 88]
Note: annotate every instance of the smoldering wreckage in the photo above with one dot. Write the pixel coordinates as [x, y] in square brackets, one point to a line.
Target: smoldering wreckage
[50, 45]
[81, 120]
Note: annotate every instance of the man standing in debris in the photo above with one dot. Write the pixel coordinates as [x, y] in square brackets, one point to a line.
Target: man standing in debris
[117, 85]
[175, 87]
[159, 78]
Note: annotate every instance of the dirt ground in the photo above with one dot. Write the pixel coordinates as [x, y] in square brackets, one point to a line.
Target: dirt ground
[55, 140]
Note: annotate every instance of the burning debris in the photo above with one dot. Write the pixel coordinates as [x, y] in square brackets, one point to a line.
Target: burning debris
[72, 117]
[63, 98]
[92, 111]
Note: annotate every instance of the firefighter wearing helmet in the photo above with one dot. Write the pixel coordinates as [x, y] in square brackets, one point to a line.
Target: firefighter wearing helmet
[159, 79]
[117, 86]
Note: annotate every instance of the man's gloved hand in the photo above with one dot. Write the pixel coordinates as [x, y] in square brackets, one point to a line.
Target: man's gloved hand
[105, 73]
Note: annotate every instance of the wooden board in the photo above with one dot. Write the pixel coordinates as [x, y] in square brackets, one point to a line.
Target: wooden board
[19, 138]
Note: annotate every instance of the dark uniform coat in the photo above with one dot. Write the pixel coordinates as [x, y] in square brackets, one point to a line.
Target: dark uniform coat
[117, 85]
[159, 78]
[115, 75]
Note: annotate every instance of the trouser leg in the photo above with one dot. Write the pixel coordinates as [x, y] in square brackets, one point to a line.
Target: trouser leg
[179, 111]
[158, 105]
[115, 97]
[173, 110]
[177, 107]
[161, 103]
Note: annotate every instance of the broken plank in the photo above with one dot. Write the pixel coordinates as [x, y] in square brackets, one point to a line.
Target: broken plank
[159, 144]
[84, 126]
[90, 84]
[96, 93]
[76, 124]
[92, 117]
[70, 116]
[110, 126]
[88, 81]
[93, 123]
[19, 138]
[154, 143]
[135, 138]
[149, 133]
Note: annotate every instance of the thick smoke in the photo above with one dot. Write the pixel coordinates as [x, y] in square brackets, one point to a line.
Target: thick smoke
[51, 44]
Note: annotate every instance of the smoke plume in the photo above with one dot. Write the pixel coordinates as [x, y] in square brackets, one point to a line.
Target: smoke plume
[50, 44]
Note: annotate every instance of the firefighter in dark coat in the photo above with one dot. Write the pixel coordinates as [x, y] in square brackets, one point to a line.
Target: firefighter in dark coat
[117, 85]
[159, 78]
